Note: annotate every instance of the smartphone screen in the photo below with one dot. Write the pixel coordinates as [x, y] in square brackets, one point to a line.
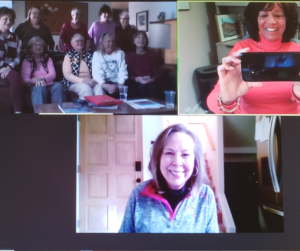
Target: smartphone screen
[270, 66]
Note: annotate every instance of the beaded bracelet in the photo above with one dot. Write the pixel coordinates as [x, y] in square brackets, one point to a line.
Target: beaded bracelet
[224, 109]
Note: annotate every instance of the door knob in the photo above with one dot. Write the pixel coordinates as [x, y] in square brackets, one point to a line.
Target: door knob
[110, 137]
[138, 180]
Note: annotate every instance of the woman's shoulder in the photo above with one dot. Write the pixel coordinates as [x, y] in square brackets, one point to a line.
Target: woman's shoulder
[293, 46]
[206, 193]
[140, 187]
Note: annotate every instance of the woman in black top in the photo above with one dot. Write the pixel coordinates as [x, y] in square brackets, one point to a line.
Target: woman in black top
[32, 27]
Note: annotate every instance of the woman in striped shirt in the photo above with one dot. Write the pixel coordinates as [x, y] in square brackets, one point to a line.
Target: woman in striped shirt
[9, 58]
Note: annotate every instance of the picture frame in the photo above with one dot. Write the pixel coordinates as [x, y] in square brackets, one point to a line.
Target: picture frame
[142, 21]
[56, 13]
[228, 26]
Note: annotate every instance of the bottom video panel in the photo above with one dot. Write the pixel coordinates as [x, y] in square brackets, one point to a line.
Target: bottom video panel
[175, 174]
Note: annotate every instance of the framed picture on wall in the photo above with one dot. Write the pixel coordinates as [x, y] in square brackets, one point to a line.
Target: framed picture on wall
[228, 26]
[142, 21]
[56, 13]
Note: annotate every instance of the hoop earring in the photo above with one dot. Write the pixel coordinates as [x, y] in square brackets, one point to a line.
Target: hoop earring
[196, 172]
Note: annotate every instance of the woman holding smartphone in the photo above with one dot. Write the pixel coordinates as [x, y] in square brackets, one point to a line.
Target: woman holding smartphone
[176, 200]
[271, 27]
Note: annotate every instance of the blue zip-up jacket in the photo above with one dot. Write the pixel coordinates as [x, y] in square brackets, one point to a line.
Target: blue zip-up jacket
[148, 212]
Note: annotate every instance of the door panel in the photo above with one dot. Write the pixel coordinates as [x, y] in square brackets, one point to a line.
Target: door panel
[109, 148]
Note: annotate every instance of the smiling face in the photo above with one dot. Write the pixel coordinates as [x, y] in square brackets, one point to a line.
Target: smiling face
[104, 17]
[76, 17]
[271, 24]
[6, 22]
[109, 44]
[177, 160]
[78, 43]
[37, 48]
[35, 16]
[140, 41]
[124, 20]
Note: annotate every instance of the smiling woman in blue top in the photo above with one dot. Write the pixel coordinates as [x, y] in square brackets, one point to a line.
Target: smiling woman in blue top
[176, 200]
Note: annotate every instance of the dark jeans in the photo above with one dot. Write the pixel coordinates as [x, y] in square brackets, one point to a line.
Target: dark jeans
[138, 90]
[15, 83]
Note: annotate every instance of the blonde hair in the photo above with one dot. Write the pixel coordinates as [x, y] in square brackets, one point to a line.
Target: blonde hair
[104, 36]
[198, 177]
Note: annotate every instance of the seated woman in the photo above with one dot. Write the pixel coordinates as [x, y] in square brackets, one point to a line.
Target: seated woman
[271, 27]
[77, 70]
[104, 25]
[144, 69]
[9, 58]
[176, 200]
[38, 73]
[109, 67]
[69, 29]
[32, 27]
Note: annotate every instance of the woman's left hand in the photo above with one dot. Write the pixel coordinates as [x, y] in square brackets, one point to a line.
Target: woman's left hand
[296, 89]
[4, 72]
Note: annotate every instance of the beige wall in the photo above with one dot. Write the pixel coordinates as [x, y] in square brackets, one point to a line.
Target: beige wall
[239, 131]
[93, 9]
[197, 35]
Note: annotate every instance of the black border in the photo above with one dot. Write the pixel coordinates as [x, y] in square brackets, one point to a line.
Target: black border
[37, 194]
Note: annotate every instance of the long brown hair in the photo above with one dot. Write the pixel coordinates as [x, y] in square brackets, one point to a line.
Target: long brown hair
[197, 179]
[29, 13]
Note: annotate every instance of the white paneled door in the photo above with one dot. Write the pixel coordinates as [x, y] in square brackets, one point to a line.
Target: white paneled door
[109, 149]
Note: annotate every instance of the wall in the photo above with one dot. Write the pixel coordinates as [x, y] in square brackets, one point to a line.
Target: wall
[197, 33]
[93, 9]
[152, 127]
[153, 8]
[239, 132]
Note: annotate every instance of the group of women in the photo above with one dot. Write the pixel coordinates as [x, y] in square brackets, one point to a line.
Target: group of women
[93, 63]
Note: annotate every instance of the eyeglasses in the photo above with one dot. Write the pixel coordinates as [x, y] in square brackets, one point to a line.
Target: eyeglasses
[78, 41]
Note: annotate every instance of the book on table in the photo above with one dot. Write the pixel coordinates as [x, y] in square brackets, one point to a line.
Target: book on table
[74, 108]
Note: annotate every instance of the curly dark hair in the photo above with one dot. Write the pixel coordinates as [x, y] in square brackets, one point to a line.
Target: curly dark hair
[290, 12]
[134, 37]
[8, 11]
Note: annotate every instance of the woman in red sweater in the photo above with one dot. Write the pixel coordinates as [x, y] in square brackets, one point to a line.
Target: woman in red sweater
[144, 68]
[271, 26]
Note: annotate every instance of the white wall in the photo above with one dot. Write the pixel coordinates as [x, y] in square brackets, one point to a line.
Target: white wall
[152, 127]
[153, 8]
[196, 49]
[93, 9]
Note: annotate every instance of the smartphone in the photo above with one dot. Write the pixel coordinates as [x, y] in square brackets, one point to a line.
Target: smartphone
[270, 66]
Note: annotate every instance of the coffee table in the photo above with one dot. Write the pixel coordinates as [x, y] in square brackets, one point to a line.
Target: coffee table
[123, 108]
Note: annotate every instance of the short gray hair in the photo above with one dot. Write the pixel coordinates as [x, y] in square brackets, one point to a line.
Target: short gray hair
[33, 40]
[104, 36]
[75, 36]
[74, 10]
[124, 12]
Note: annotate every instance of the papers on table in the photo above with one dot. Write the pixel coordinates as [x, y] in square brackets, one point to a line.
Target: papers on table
[144, 104]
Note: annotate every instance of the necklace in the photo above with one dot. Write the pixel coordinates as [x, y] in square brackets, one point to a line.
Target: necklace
[262, 49]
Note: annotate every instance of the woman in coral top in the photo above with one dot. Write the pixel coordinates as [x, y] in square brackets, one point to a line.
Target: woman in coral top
[271, 26]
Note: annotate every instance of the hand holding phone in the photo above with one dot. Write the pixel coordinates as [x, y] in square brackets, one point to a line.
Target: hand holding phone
[270, 66]
[231, 83]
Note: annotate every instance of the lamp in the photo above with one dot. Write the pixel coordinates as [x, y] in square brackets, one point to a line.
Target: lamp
[160, 36]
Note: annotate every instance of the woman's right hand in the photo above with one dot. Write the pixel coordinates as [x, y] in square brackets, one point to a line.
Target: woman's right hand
[110, 88]
[90, 82]
[37, 81]
[231, 83]
[141, 80]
